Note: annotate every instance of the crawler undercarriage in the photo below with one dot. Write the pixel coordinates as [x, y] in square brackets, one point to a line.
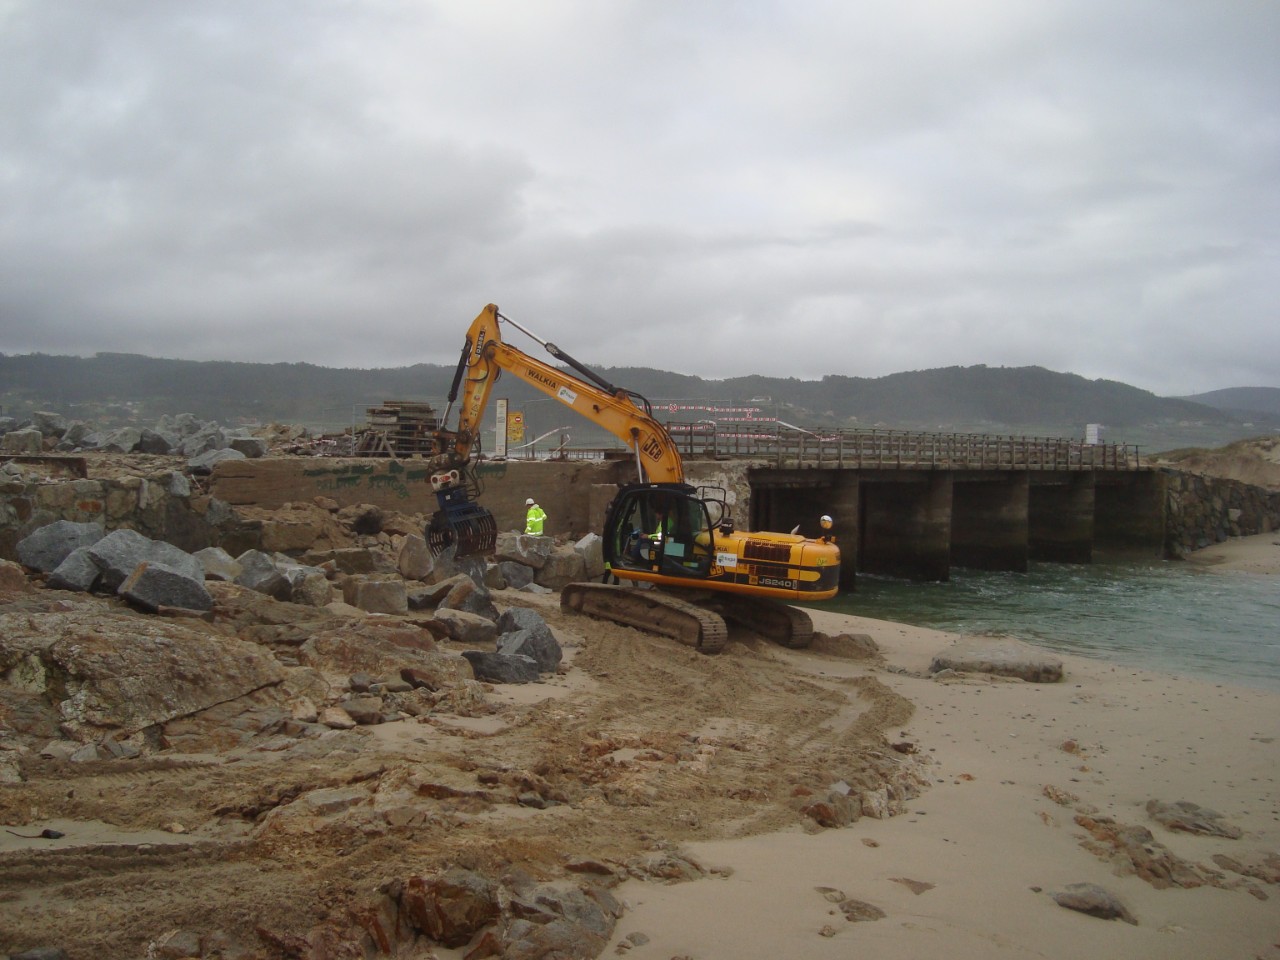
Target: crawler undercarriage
[695, 618]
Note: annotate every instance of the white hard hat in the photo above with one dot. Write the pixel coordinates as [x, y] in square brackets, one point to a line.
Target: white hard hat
[529, 502]
[826, 519]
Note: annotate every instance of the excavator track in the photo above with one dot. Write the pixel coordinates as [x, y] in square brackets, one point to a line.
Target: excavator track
[650, 611]
[785, 625]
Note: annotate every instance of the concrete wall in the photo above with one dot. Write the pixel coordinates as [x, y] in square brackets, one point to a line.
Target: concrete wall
[569, 492]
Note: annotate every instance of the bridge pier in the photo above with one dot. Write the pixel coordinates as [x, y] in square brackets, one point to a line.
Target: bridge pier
[989, 521]
[1130, 513]
[1061, 509]
[904, 525]
[845, 495]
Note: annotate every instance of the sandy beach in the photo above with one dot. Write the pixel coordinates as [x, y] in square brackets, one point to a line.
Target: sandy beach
[969, 870]
[1015, 791]
[1257, 554]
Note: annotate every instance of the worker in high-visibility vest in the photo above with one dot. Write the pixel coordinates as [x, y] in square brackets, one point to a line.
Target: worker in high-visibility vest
[534, 519]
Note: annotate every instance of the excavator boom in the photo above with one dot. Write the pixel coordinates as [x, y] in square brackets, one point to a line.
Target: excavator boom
[486, 354]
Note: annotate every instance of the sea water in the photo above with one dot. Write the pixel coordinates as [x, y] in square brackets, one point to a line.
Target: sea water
[1166, 616]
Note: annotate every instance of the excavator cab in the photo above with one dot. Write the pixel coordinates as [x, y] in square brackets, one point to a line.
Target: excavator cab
[664, 529]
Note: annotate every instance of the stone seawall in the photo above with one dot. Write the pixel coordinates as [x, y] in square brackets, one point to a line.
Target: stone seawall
[161, 506]
[1207, 510]
[234, 507]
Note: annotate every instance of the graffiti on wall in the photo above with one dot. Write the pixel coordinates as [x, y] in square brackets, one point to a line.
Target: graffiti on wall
[394, 478]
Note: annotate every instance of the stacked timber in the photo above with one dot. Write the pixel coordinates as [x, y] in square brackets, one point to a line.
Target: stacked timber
[398, 428]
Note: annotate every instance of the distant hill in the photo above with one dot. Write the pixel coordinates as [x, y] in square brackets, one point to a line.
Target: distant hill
[1028, 401]
[1243, 400]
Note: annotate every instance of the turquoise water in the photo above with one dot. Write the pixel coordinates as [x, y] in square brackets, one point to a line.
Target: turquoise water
[1170, 617]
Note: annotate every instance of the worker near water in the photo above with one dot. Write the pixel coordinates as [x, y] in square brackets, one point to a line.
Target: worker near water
[534, 519]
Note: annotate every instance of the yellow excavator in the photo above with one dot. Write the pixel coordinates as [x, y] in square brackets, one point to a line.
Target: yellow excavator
[660, 532]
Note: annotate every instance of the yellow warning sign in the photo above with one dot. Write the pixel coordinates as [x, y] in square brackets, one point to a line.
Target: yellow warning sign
[515, 427]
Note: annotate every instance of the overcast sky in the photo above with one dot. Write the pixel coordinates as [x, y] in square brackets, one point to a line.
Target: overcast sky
[720, 188]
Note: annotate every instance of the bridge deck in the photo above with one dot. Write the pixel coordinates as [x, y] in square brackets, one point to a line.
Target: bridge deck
[902, 449]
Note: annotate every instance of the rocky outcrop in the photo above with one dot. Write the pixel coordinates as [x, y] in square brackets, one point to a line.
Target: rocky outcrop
[999, 656]
[1096, 901]
[89, 673]
[1186, 817]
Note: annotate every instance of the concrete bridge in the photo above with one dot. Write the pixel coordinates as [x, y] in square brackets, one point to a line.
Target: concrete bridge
[914, 504]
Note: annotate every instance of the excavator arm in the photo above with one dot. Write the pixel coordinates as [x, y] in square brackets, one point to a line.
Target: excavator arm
[460, 520]
[614, 409]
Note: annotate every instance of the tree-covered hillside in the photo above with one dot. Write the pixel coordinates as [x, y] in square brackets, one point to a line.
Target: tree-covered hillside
[1243, 400]
[1002, 400]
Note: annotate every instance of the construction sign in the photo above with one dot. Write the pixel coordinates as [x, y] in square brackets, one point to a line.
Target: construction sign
[515, 427]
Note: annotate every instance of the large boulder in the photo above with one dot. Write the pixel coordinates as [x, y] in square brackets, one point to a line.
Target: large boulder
[451, 908]
[251, 447]
[469, 628]
[26, 441]
[999, 656]
[414, 558]
[46, 547]
[376, 594]
[153, 585]
[48, 423]
[258, 571]
[523, 548]
[123, 440]
[13, 580]
[466, 594]
[202, 464]
[78, 572]
[515, 575]
[591, 549]
[492, 667]
[119, 552]
[151, 442]
[102, 672]
[218, 564]
[523, 631]
[208, 438]
[563, 565]
[308, 585]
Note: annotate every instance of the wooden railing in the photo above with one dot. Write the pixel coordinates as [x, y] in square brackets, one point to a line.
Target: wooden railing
[899, 449]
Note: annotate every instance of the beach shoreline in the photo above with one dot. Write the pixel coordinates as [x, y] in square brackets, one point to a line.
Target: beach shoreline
[1025, 779]
[1259, 553]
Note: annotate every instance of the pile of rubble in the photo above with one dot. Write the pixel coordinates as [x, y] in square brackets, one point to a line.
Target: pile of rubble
[158, 577]
[203, 443]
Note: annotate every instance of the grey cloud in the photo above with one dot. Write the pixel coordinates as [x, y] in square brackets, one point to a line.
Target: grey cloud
[795, 189]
